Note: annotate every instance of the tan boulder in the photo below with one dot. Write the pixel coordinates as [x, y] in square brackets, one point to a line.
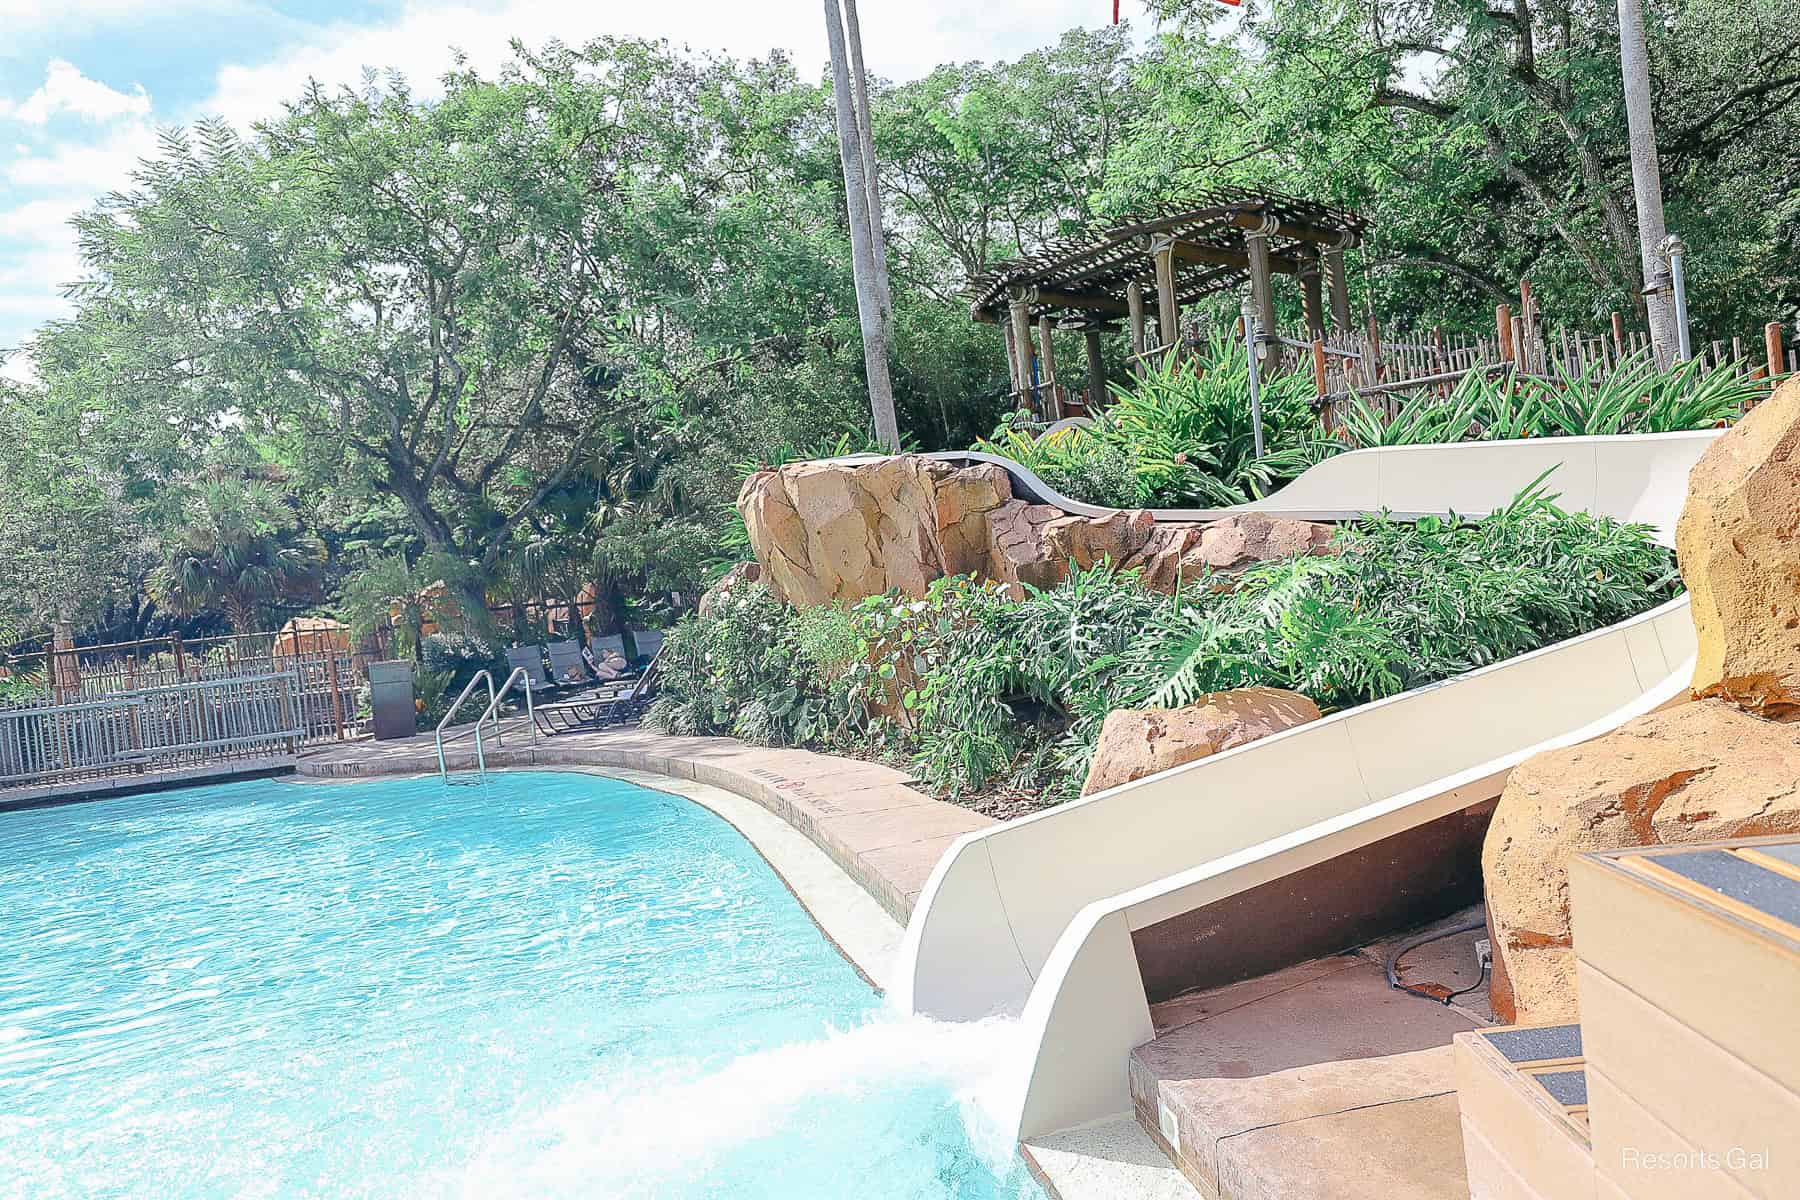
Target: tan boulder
[1160, 563]
[1018, 552]
[1699, 771]
[839, 531]
[1236, 542]
[1135, 742]
[835, 532]
[740, 574]
[1085, 541]
[1739, 545]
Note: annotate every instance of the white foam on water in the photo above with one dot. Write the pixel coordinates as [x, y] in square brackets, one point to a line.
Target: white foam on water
[626, 1131]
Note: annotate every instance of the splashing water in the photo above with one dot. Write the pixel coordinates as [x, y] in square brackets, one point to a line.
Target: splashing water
[547, 986]
[871, 1097]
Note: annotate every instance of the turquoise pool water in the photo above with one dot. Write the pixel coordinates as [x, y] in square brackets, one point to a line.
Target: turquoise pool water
[547, 985]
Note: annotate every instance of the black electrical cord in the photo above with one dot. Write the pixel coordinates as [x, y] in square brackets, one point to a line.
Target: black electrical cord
[1393, 960]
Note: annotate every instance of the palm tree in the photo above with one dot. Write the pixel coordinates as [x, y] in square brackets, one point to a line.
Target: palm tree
[239, 549]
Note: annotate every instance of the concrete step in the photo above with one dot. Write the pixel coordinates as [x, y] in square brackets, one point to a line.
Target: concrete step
[1314, 1081]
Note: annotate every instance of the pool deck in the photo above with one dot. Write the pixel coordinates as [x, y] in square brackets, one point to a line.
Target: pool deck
[877, 829]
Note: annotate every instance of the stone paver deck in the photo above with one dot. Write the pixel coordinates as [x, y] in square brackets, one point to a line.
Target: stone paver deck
[1317, 1081]
[883, 833]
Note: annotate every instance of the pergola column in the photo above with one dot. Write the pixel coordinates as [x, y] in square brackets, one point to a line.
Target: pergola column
[1311, 297]
[1052, 384]
[1024, 352]
[1167, 317]
[1337, 283]
[1256, 243]
[1096, 370]
[1134, 304]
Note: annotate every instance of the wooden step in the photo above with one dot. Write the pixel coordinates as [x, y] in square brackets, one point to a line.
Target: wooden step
[1689, 973]
[1523, 1095]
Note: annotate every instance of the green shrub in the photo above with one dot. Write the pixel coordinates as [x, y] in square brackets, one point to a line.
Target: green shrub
[740, 671]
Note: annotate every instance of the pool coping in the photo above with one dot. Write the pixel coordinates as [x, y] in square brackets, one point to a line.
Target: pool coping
[877, 830]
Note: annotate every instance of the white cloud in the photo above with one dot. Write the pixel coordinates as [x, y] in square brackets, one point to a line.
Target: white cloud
[67, 90]
[88, 168]
[901, 40]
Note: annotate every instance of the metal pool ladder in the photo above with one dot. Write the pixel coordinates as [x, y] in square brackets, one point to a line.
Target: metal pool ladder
[491, 714]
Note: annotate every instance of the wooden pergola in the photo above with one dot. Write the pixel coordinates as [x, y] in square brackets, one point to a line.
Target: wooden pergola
[1209, 241]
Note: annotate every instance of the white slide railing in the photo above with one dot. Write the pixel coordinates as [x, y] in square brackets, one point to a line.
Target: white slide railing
[1034, 917]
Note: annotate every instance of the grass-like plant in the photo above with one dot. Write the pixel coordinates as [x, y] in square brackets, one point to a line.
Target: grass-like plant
[1635, 396]
[1184, 430]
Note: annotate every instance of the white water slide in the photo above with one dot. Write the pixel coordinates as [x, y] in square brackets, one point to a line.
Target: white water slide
[1036, 917]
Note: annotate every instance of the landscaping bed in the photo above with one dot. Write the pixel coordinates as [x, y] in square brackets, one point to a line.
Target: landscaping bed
[996, 701]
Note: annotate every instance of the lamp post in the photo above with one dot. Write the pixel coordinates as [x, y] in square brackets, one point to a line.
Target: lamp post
[1675, 250]
[1252, 350]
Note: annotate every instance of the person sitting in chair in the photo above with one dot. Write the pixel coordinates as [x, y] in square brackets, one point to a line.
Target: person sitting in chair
[605, 669]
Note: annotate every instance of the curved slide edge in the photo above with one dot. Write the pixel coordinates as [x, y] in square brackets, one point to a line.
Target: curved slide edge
[1632, 478]
[1088, 1010]
[998, 901]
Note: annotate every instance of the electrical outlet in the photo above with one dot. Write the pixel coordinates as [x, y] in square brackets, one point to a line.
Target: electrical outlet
[1484, 954]
[1165, 1120]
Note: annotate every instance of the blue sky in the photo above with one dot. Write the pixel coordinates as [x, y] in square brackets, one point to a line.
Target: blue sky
[85, 84]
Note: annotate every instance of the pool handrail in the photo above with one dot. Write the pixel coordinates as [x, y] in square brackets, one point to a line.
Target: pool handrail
[519, 675]
[482, 675]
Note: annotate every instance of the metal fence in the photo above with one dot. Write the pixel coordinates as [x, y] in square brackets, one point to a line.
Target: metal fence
[151, 729]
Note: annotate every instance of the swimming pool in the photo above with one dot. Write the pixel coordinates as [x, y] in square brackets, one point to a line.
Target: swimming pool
[547, 984]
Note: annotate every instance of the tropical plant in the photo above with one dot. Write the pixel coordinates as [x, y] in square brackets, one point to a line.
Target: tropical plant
[1633, 396]
[1184, 429]
[388, 591]
[1079, 464]
[976, 690]
[239, 550]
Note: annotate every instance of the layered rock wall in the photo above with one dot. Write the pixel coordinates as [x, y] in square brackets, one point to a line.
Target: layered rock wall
[834, 532]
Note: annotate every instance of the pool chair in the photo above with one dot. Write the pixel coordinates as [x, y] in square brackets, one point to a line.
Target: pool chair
[530, 659]
[567, 668]
[649, 643]
[610, 704]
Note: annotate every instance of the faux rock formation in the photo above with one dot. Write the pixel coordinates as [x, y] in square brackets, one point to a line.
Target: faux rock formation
[1135, 742]
[833, 531]
[829, 532]
[1725, 765]
[1698, 772]
[1739, 546]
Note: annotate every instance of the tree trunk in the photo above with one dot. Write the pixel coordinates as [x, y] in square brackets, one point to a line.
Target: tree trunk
[871, 170]
[65, 670]
[856, 194]
[1646, 175]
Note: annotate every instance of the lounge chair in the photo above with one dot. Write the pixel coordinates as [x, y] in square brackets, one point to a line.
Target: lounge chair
[611, 704]
[567, 667]
[649, 644]
[531, 659]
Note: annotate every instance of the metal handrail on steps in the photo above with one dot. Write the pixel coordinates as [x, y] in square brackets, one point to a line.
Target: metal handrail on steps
[519, 675]
[443, 770]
